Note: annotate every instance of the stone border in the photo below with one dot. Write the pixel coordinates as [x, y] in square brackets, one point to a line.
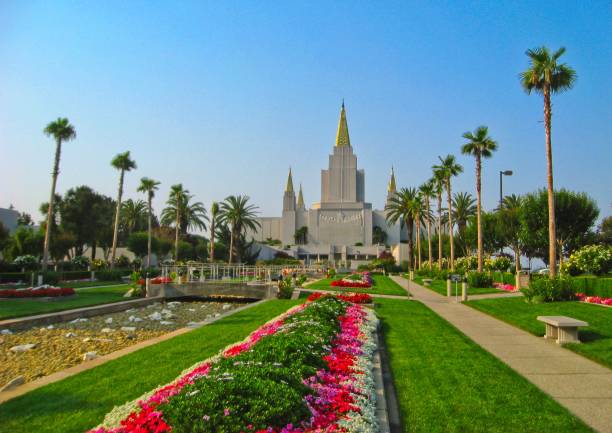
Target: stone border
[67, 315]
[382, 411]
[86, 365]
[392, 412]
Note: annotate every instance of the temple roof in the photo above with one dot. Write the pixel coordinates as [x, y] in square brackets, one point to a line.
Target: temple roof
[342, 137]
[391, 187]
[300, 199]
[289, 186]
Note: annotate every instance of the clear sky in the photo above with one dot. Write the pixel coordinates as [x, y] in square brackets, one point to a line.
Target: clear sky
[225, 96]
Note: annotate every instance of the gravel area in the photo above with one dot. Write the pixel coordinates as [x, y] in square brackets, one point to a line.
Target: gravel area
[40, 351]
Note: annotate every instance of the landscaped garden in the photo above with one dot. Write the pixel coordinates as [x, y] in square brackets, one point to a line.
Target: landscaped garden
[381, 285]
[447, 383]
[84, 297]
[596, 338]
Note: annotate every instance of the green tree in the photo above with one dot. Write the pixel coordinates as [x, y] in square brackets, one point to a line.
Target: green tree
[149, 186]
[239, 215]
[379, 236]
[4, 236]
[428, 192]
[546, 75]
[24, 219]
[480, 145]
[123, 163]
[133, 216]
[214, 214]
[404, 207]
[449, 168]
[301, 235]
[509, 225]
[62, 131]
[140, 243]
[464, 208]
[604, 231]
[438, 182]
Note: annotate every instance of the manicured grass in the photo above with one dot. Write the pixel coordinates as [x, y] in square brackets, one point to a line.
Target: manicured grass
[82, 284]
[383, 285]
[596, 338]
[80, 402]
[447, 383]
[84, 297]
[439, 286]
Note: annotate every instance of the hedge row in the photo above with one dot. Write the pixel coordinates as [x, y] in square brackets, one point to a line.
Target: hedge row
[53, 277]
[593, 286]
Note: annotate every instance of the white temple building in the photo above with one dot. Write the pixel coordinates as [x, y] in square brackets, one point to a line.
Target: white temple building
[340, 227]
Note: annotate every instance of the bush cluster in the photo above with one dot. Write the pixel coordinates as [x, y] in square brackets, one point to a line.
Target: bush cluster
[479, 279]
[592, 259]
[549, 290]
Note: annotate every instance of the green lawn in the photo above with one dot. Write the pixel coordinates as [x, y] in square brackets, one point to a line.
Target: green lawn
[383, 285]
[596, 338]
[447, 383]
[439, 286]
[84, 297]
[80, 402]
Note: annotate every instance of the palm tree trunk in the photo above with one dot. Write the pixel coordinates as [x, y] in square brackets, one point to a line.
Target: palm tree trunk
[117, 214]
[552, 244]
[440, 231]
[418, 240]
[231, 250]
[517, 260]
[54, 174]
[478, 211]
[429, 237]
[149, 233]
[177, 230]
[450, 225]
[212, 240]
[410, 228]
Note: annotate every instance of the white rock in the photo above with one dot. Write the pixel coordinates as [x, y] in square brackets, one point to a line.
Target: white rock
[90, 356]
[109, 320]
[129, 293]
[226, 306]
[165, 322]
[128, 328]
[193, 324]
[131, 310]
[190, 309]
[87, 339]
[217, 315]
[14, 383]
[167, 314]
[70, 335]
[6, 332]
[79, 320]
[134, 319]
[50, 327]
[104, 340]
[155, 316]
[106, 330]
[208, 316]
[22, 348]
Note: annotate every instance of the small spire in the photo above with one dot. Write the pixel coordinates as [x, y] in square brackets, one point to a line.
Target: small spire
[342, 137]
[289, 187]
[391, 187]
[300, 199]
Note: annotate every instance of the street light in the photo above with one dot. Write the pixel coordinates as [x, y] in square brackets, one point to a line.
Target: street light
[501, 188]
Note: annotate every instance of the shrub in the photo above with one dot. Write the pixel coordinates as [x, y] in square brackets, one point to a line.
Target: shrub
[80, 262]
[549, 290]
[593, 259]
[114, 275]
[464, 264]
[27, 261]
[122, 262]
[479, 279]
[570, 267]
[501, 263]
[285, 290]
[593, 286]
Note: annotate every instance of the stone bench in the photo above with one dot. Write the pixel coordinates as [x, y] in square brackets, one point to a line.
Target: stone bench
[563, 329]
[427, 281]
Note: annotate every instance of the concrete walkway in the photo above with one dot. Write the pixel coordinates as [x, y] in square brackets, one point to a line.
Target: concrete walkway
[582, 386]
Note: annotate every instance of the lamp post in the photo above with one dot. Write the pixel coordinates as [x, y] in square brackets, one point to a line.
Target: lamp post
[501, 183]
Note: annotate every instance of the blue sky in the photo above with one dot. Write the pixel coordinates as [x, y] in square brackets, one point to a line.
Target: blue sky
[225, 96]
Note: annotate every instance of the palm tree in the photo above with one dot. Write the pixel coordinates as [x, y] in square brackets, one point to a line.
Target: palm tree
[427, 191]
[148, 186]
[438, 184]
[480, 145]
[123, 163]
[510, 214]
[214, 213]
[61, 130]
[449, 168]
[403, 206]
[240, 215]
[546, 76]
[464, 207]
[133, 214]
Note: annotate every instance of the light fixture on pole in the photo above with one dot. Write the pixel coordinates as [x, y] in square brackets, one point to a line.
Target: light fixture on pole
[501, 183]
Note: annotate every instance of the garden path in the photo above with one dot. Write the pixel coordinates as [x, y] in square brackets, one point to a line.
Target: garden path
[582, 386]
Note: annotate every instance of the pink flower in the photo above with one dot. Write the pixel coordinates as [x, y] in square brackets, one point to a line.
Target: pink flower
[226, 412]
[205, 417]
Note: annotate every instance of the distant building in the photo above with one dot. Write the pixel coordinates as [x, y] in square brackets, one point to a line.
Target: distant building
[340, 226]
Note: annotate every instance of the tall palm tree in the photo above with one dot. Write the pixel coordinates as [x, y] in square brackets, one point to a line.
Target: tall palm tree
[547, 76]
[449, 168]
[427, 191]
[403, 206]
[236, 211]
[510, 213]
[149, 186]
[123, 163]
[133, 214]
[464, 207]
[61, 130]
[214, 213]
[438, 183]
[480, 145]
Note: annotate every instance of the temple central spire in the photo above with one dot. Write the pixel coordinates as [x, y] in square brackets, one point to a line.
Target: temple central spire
[342, 137]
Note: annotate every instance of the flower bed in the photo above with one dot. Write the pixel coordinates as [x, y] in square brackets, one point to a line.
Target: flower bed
[357, 281]
[356, 298]
[594, 299]
[506, 287]
[43, 292]
[309, 370]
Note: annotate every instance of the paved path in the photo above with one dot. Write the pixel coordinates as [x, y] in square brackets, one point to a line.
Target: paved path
[582, 386]
[494, 295]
